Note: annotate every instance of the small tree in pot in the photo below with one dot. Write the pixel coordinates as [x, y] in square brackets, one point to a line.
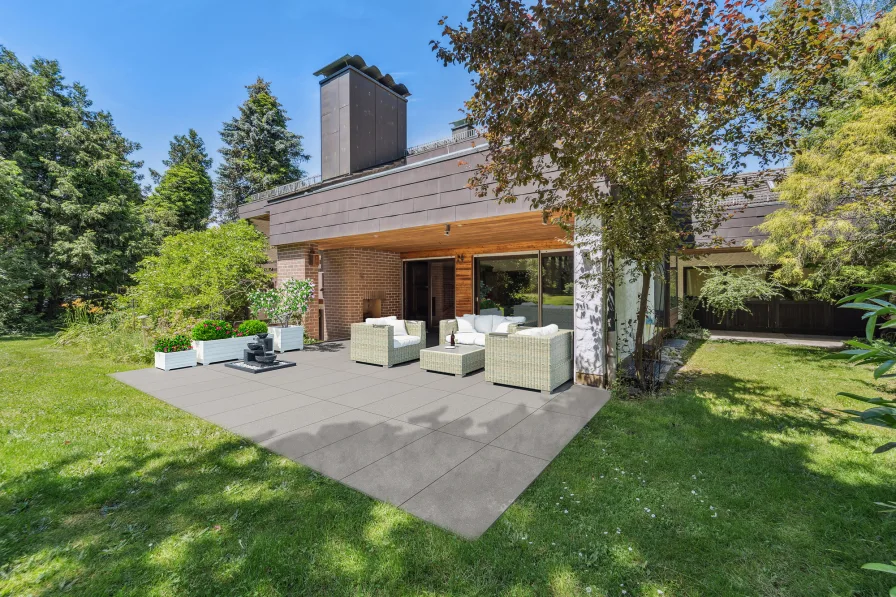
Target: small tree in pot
[287, 302]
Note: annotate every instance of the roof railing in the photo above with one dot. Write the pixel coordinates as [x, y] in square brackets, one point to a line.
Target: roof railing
[460, 136]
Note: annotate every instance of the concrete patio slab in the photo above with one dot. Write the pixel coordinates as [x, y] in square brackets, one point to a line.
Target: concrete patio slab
[453, 451]
[406, 472]
[474, 494]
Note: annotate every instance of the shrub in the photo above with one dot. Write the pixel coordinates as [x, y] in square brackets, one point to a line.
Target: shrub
[213, 329]
[250, 327]
[208, 273]
[173, 344]
[288, 301]
[116, 336]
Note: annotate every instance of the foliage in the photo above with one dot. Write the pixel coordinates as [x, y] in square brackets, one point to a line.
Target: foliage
[251, 327]
[289, 300]
[687, 325]
[650, 97]
[857, 12]
[213, 329]
[84, 232]
[838, 231]
[182, 199]
[259, 151]
[726, 290]
[172, 344]
[874, 351]
[116, 336]
[204, 273]
[15, 262]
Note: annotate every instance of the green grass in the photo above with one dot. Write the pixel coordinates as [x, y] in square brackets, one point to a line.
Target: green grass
[756, 491]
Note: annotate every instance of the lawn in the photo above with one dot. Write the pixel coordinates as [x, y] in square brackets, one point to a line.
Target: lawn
[744, 480]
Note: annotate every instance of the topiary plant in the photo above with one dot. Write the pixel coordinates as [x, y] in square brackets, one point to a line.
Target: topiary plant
[250, 327]
[212, 329]
[177, 343]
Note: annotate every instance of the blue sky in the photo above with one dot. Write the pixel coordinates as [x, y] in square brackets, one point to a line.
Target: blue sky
[165, 66]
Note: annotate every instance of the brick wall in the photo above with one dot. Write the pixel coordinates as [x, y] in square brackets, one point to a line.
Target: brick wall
[294, 262]
[350, 276]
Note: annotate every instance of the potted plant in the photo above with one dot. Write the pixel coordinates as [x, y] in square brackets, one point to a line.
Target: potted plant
[288, 302]
[174, 352]
[216, 340]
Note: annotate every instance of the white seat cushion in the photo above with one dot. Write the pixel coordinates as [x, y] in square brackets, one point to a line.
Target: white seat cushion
[545, 331]
[467, 338]
[404, 340]
[465, 324]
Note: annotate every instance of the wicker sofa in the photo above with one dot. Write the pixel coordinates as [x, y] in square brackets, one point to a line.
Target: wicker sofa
[375, 343]
[535, 362]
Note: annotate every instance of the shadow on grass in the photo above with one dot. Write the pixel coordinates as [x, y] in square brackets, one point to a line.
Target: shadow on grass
[204, 512]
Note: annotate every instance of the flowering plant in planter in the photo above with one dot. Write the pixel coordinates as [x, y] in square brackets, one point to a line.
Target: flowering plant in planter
[213, 329]
[177, 343]
[288, 301]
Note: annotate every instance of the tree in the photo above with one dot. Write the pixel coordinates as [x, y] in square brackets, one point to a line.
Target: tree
[84, 233]
[648, 97]
[857, 12]
[259, 151]
[182, 199]
[16, 268]
[838, 230]
[208, 273]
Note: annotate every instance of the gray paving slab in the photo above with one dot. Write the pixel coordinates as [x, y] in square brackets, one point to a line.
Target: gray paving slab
[341, 386]
[421, 378]
[398, 371]
[489, 391]
[253, 396]
[281, 423]
[471, 496]
[382, 389]
[452, 383]
[488, 422]
[234, 388]
[530, 398]
[405, 472]
[309, 383]
[304, 440]
[399, 404]
[193, 388]
[442, 411]
[543, 434]
[353, 453]
[580, 401]
[248, 414]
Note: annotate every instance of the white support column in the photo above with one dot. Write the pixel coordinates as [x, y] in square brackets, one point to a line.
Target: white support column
[590, 314]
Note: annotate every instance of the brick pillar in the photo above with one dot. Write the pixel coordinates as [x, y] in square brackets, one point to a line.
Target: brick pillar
[294, 262]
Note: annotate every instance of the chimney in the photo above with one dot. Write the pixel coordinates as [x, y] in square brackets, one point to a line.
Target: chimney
[363, 117]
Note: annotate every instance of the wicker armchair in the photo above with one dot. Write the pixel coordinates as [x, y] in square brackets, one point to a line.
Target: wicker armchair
[373, 343]
[535, 362]
[446, 326]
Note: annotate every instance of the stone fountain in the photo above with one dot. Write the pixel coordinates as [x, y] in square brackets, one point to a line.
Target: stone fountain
[260, 357]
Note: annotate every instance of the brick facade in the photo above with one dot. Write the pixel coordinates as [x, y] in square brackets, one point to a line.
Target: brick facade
[295, 262]
[350, 276]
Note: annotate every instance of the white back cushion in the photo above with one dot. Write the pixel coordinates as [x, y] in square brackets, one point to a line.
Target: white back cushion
[483, 323]
[465, 324]
[400, 328]
[545, 331]
[380, 320]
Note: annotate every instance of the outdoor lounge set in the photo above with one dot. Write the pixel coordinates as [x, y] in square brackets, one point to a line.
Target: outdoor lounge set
[511, 353]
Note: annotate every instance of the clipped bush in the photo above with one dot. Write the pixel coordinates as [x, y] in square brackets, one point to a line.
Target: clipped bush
[250, 327]
[177, 343]
[213, 329]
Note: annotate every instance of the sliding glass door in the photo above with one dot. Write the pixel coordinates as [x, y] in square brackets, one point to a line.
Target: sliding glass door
[538, 287]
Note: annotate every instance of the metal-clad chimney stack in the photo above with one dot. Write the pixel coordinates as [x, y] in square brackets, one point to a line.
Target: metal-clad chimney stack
[363, 117]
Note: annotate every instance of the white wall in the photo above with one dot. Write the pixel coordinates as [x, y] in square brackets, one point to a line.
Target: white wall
[628, 289]
[589, 312]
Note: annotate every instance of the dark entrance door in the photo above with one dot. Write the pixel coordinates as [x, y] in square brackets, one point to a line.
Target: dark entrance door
[416, 291]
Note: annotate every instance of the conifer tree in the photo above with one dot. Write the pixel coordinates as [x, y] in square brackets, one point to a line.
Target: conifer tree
[259, 151]
[182, 199]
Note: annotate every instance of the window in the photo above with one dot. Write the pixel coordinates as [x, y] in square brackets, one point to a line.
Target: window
[538, 287]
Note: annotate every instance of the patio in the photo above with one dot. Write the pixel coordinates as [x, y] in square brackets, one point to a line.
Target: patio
[452, 451]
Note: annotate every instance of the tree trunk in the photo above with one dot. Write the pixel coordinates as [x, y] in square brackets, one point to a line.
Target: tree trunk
[639, 330]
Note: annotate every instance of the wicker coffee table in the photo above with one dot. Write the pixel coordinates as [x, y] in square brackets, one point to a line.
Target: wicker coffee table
[459, 361]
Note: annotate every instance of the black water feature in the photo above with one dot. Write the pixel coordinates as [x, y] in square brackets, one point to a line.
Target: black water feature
[260, 357]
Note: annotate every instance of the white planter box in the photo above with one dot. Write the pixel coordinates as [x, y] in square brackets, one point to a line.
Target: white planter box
[214, 351]
[175, 360]
[288, 338]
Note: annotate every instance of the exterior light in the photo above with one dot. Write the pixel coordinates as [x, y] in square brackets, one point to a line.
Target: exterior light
[447, 229]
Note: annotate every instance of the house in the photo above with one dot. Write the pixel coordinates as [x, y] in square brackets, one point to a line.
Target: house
[388, 229]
